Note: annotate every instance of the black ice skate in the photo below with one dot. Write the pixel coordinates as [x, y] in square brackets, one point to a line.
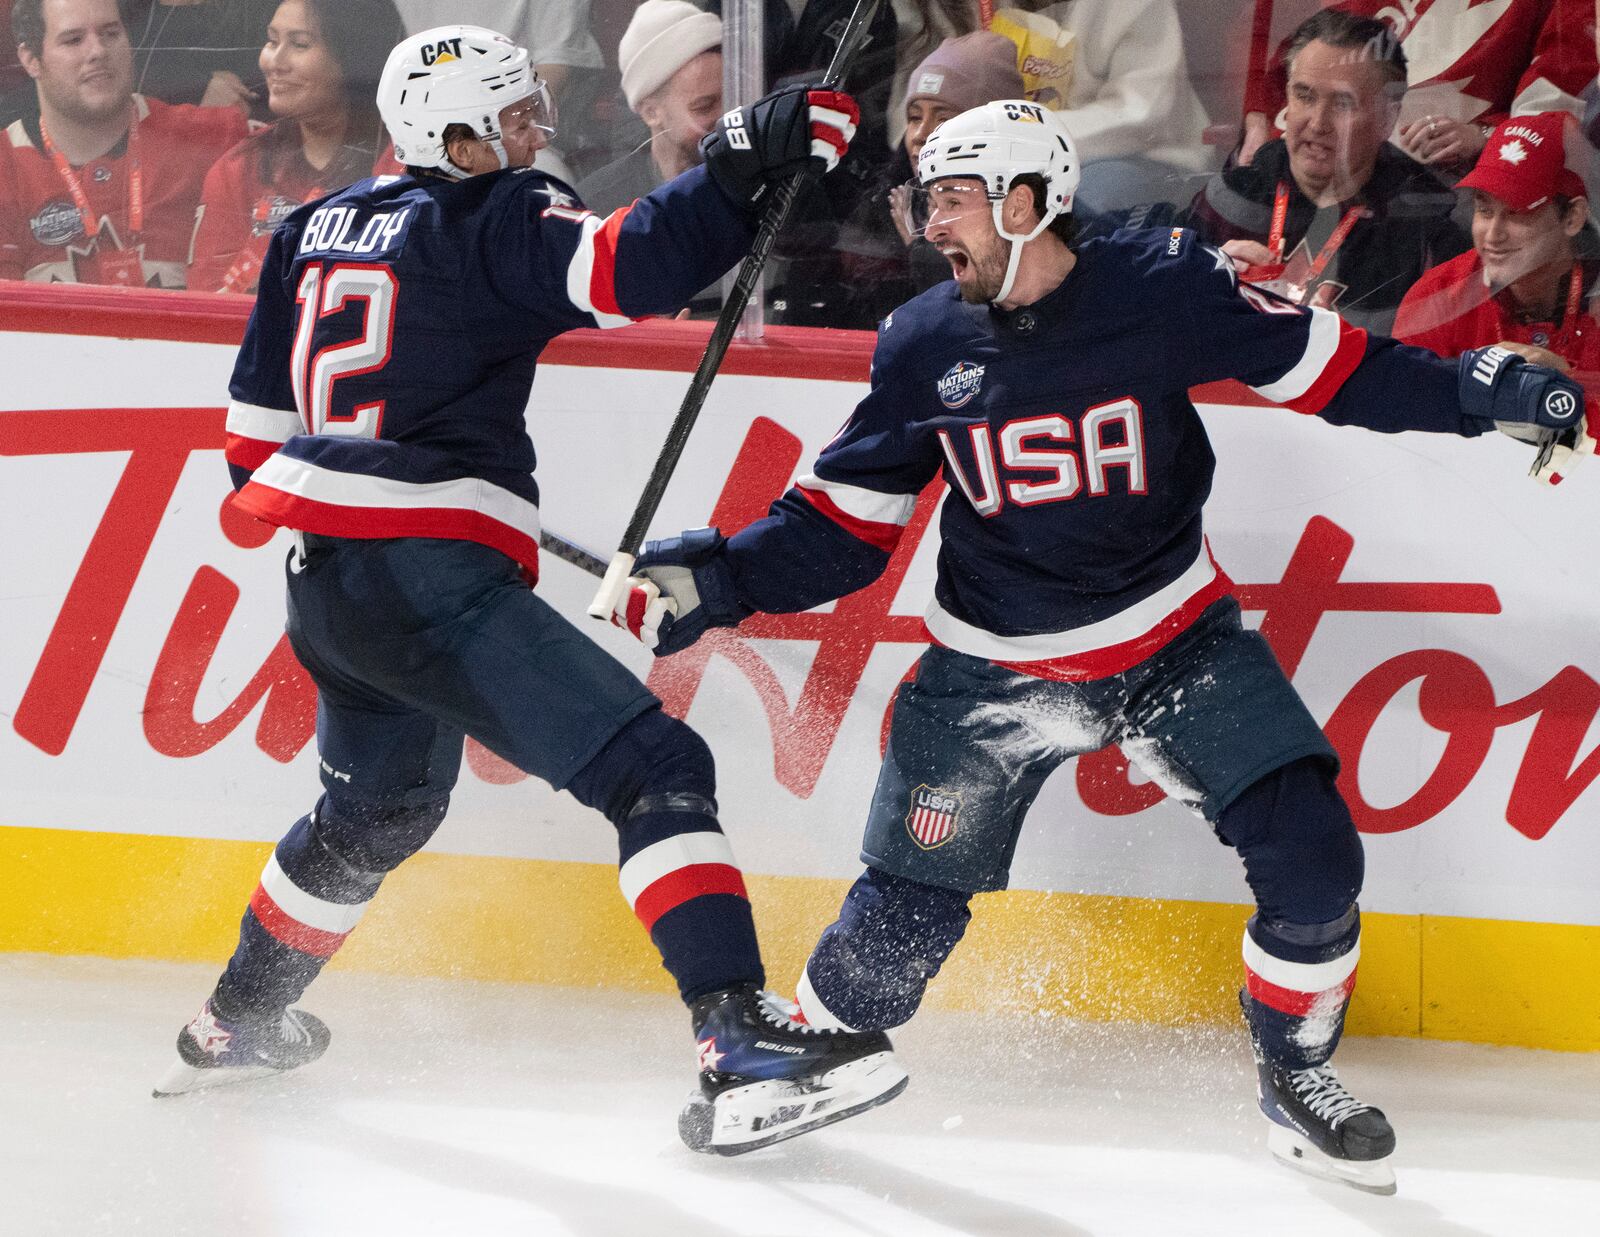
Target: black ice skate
[1320, 1128]
[213, 1052]
[765, 1077]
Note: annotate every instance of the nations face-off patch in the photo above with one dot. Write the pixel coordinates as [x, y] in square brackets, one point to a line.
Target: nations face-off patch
[933, 817]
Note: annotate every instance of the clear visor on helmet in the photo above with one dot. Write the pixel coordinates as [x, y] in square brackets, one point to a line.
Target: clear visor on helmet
[942, 202]
[537, 112]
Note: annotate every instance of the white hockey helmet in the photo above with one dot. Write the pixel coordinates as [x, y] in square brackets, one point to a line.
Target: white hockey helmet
[996, 143]
[453, 75]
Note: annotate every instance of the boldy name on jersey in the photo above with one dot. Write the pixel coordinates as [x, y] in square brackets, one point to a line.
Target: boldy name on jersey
[342, 229]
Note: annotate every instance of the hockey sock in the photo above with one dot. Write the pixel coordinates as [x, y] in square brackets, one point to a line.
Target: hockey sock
[656, 782]
[680, 878]
[1298, 981]
[316, 886]
[872, 964]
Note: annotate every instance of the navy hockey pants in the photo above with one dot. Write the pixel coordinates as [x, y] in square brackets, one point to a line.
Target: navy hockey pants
[413, 644]
[1210, 717]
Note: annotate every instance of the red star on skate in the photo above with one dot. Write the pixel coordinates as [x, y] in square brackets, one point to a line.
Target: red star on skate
[211, 1037]
[709, 1056]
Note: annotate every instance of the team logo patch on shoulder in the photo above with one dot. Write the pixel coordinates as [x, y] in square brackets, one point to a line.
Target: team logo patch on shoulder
[56, 223]
[933, 817]
[959, 384]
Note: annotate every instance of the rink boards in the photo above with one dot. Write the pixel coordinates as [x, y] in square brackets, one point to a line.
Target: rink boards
[1435, 607]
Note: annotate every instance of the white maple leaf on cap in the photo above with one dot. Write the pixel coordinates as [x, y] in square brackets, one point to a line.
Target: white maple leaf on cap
[1514, 151]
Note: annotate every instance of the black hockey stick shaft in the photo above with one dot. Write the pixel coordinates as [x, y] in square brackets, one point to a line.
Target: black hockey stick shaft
[778, 210]
[568, 552]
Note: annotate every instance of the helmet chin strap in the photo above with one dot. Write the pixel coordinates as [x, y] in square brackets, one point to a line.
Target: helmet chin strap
[493, 142]
[1017, 240]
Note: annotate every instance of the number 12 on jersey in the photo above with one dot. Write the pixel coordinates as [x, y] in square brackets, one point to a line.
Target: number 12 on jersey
[317, 362]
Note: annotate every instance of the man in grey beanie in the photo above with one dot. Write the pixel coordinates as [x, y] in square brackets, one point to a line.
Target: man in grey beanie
[671, 62]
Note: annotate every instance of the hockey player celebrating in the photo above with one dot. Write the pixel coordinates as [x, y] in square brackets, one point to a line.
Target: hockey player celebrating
[378, 411]
[1048, 384]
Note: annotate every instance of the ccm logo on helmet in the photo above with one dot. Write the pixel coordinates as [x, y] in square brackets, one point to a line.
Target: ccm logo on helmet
[443, 50]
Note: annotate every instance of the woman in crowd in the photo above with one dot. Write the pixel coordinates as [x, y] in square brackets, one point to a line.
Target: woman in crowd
[321, 63]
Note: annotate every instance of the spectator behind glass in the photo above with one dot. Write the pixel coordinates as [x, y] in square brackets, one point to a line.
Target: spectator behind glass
[321, 63]
[671, 62]
[1129, 105]
[99, 184]
[199, 51]
[1331, 214]
[1470, 69]
[962, 73]
[1530, 276]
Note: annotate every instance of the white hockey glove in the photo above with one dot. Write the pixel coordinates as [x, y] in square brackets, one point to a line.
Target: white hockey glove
[653, 602]
[683, 588]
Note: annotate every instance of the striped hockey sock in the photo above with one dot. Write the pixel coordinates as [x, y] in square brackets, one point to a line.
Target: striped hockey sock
[1298, 981]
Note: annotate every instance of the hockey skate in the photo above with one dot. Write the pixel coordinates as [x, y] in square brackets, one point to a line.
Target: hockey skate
[1321, 1129]
[765, 1077]
[213, 1052]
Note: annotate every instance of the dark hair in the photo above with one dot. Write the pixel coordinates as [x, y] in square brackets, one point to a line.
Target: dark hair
[1064, 227]
[27, 22]
[1337, 28]
[359, 35]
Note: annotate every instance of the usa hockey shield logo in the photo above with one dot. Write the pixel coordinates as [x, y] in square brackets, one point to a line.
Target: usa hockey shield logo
[934, 816]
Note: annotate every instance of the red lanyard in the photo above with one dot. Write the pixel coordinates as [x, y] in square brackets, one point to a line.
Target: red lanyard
[985, 13]
[81, 200]
[1280, 214]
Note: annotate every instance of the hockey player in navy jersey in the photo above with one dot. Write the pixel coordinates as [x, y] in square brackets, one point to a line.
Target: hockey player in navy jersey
[1077, 603]
[378, 411]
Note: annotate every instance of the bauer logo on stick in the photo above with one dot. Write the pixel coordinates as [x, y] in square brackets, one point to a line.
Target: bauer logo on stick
[934, 815]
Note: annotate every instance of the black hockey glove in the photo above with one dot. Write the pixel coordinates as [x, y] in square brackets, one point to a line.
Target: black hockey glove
[796, 129]
[681, 587]
[1531, 403]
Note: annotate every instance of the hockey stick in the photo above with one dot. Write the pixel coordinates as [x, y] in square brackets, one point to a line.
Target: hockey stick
[621, 566]
[568, 552]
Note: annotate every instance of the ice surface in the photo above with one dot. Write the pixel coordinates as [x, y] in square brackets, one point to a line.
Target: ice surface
[479, 1109]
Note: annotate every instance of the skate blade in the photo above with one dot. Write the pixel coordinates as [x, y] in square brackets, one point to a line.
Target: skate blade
[182, 1078]
[760, 1114]
[1298, 1152]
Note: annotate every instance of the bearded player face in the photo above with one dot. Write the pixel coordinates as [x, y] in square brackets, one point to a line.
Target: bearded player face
[961, 227]
[84, 69]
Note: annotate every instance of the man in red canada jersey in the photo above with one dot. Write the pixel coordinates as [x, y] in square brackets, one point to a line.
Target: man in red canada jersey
[100, 184]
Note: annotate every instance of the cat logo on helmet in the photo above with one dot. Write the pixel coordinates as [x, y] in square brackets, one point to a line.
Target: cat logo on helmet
[442, 52]
[1029, 112]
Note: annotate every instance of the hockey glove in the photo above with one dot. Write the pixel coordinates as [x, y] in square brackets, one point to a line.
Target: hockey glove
[796, 129]
[683, 587]
[1531, 403]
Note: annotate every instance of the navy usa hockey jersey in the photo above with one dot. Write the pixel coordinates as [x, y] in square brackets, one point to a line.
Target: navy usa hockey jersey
[1072, 544]
[381, 387]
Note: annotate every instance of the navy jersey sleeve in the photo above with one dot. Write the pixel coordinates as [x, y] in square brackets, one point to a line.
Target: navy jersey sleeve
[553, 258]
[833, 531]
[262, 414]
[1307, 359]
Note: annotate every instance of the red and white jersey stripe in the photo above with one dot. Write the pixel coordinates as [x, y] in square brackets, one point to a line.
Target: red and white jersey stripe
[299, 919]
[592, 275]
[1333, 350]
[295, 493]
[1094, 650]
[255, 432]
[869, 515]
[668, 873]
[1300, 989]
